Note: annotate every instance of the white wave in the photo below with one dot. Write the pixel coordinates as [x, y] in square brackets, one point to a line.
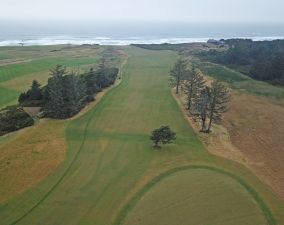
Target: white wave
[61, 40]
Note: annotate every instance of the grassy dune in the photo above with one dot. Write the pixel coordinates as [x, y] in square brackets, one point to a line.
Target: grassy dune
[110, 161]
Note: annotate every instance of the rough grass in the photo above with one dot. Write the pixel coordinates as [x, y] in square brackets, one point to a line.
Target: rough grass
[110, 157]
[255, 126]
[240, 81]
[29, 155]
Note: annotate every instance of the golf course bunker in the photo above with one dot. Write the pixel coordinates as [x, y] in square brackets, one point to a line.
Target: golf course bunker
[196, 197]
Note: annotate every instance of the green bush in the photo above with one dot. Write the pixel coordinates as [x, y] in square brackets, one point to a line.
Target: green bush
[13, 118]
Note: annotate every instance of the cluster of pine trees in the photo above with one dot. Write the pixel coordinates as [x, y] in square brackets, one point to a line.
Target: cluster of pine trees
[206, 102]
[264, 60]
[33, 96]
[66, 93]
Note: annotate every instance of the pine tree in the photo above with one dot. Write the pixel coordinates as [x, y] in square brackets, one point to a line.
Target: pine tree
[177, 73]
[194, 83]
[66, 94]
[33, 97]
[219, 98]
[202, 106]
[54, 107]
[35, 92]
[75, 94]
[58, 71]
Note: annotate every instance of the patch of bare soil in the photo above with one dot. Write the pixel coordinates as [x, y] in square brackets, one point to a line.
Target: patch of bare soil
[251, 133]
[32, 111]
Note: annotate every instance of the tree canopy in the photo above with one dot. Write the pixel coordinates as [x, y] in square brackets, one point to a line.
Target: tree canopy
[66, 93]
[193, 84]
[33, 97]
[13, 118]
[162, 135]
[261, 60]
[177, 73]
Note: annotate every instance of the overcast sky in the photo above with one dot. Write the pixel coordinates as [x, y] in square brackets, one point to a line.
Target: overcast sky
[158, 10]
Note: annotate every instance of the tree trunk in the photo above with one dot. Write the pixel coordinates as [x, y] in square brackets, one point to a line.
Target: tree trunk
[189, 98]
[189, 103]
[203, 126]
[177, 85]
[156, 145]
[210, 123]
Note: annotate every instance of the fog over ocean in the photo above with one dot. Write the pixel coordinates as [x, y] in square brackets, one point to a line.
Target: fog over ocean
[125, 33]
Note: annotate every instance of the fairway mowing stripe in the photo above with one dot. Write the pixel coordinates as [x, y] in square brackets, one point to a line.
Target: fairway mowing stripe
[107, 186]
[61, 178]
[68, 168]
[135, 199]
[97, 169]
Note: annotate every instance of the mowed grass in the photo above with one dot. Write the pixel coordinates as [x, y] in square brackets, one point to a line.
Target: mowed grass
[110, 158]
[196, 196]
[9, 72]
[8, 96]
[15, 78]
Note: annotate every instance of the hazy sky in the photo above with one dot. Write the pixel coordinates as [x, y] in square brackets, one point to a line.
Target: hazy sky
[159, 10]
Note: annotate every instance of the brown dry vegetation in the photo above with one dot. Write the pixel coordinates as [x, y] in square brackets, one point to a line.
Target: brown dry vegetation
[251, 133]
[29, 156]
[256, 128]
[13, 61]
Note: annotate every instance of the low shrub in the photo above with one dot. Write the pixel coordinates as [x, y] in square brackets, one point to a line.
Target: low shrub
[13, 118]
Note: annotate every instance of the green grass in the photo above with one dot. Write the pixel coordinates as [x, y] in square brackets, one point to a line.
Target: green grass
[8, 96]
[195, 203]
[240, 81]
[10, 72]
[110, 157]
[36, 69]
[4, 56]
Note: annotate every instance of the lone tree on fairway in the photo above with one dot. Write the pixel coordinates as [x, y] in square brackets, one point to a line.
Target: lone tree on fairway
[162, 135]
[219, 97]
[177, 73]
[193, 84]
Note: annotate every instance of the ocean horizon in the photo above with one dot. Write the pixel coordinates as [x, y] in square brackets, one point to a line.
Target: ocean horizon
[126, 33]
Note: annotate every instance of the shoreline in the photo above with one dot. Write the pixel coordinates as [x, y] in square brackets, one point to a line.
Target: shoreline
[92, 40]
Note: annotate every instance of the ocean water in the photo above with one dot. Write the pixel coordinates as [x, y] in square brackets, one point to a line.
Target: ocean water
[125, 33]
